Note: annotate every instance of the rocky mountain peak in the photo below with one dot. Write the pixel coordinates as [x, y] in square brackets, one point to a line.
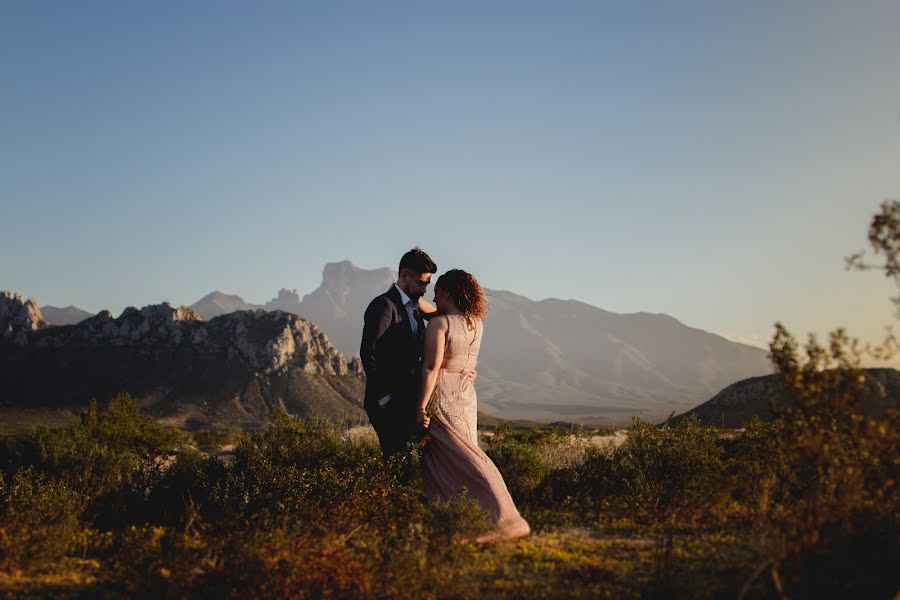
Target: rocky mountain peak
[286, 300]
[340, 276]
[286, 294]
[337, 276]
[164, 313]
[217, 296]
[19, 317]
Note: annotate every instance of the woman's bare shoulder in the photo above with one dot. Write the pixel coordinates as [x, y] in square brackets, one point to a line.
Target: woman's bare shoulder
[439, 324]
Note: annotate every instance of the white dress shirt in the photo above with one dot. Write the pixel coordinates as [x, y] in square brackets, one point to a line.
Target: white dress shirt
[411, 309]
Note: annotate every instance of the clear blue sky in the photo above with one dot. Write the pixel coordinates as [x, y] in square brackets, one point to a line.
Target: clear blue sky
[710, 160]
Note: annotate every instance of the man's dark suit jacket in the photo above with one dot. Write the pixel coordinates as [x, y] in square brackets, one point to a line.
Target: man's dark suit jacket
[391, 354]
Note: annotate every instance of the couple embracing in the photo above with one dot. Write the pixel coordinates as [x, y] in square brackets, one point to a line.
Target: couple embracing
[422, 377]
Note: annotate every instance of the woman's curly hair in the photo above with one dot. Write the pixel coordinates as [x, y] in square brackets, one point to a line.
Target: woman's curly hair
[465, 292]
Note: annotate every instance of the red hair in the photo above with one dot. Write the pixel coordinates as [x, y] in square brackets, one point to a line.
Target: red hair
[466, 292]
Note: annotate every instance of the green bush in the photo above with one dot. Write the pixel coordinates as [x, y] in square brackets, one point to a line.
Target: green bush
[39, 520]
[759, 470]
[670, 475]
[518, 457]
[97, 455]
[212, 441]
[299, 443]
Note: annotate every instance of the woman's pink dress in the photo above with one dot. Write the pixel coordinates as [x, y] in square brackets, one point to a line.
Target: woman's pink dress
[452, 460]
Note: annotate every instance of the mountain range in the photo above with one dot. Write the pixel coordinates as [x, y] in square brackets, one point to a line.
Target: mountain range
[546, 360]
[224, 362]
[552, 359]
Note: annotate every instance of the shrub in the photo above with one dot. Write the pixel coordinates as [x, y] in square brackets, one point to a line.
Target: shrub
[299, 443]
[39, 520]
[831, 520]
[670, 475]
[759, 469]
[518, 457]
[211, 441]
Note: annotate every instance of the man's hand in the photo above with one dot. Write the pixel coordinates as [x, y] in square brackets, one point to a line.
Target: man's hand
[427, 309]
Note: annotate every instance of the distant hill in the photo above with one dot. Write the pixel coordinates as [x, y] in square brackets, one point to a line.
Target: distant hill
[564, 360]
[70, 315]
[734, 406]
[229, 372]
[560, 360]
[216, 303]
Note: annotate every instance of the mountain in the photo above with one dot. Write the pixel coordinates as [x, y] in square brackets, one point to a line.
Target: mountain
[567, 360]
[734, 406]
[216, 303]
[231, 371]
[562, 359]
[286, 300]
[556, 360]
[69, 315]
[337, 305]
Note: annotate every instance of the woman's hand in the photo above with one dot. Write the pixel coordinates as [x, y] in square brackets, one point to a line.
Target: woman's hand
[422, 418]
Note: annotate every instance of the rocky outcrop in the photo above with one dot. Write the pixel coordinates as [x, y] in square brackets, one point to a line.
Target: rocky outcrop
[19, 318]
[230, 371]
[261, 341]
[286, 300]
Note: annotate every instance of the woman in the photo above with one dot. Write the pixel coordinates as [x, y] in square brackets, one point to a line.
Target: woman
[452, 459]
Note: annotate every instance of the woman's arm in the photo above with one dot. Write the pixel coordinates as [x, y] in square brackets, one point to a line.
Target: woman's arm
[435, 337]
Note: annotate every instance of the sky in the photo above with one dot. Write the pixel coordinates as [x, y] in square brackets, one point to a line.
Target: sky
[714, 161]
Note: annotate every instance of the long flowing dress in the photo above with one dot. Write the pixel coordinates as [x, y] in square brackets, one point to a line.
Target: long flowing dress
[452, 460]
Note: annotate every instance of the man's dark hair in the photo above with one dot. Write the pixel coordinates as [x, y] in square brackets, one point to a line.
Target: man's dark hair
[416, 260]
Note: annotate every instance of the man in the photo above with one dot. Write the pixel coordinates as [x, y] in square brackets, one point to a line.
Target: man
[391, 352]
